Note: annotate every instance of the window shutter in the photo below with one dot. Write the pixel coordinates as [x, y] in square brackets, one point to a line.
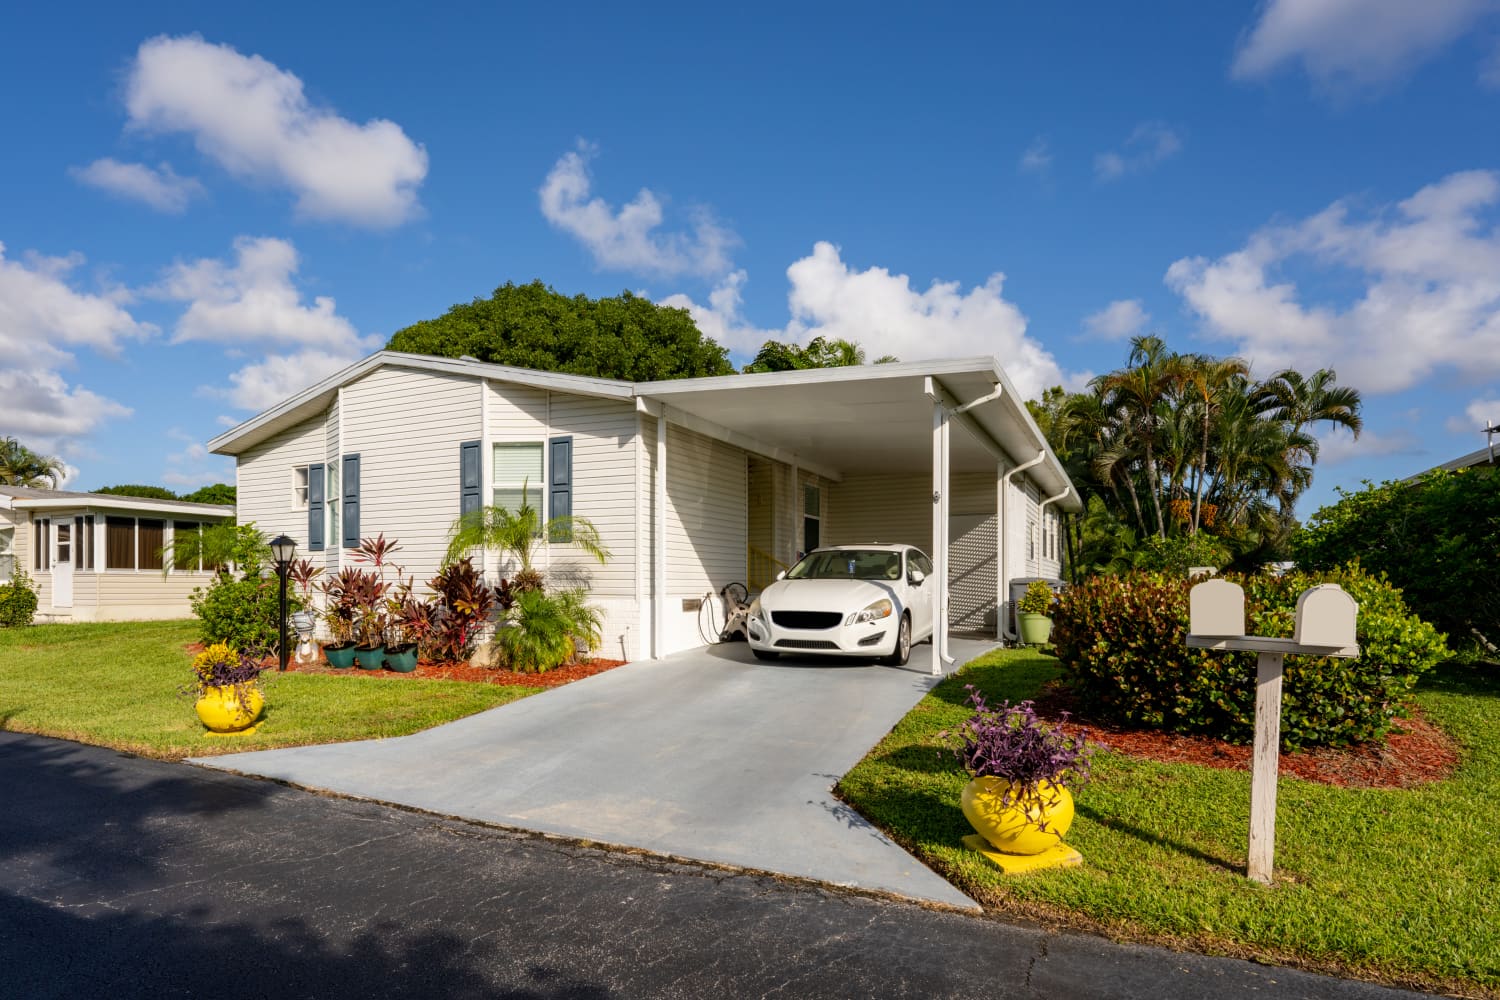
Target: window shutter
[469, 477]
[560, 475]
[351, 501]
[315, 508]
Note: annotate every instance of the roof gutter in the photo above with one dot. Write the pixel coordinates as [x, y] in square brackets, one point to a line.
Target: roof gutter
[1041, 456]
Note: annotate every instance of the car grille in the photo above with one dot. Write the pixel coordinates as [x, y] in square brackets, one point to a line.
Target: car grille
[807, 619]
[806, 644]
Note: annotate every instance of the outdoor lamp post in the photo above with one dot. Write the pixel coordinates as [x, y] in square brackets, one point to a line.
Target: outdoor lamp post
[283, 550]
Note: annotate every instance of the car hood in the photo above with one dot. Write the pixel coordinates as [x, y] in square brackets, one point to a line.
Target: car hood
[824, 595]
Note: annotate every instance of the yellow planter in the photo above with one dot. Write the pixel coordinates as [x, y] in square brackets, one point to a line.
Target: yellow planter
[1012, 834]
[221, 710]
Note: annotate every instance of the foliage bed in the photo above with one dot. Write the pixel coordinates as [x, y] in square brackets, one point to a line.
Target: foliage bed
[1396, 885]
[1122, 645]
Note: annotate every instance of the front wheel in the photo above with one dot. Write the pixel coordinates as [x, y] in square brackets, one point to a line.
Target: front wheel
[902, 652]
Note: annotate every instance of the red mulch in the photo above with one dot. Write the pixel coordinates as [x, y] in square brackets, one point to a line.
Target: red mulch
[427, 670]
[1416, 752]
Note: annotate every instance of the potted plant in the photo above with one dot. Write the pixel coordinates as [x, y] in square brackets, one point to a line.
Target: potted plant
[339, 594]
[1032, 618]
[1017, 798]
[371, 601]
[226, 690]
[412, 624]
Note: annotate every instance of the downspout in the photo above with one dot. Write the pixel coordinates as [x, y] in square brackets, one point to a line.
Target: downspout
[1041, 456]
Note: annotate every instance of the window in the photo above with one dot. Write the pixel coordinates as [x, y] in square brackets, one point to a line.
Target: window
[299, 488]
[518, 477]
[916, 560]
[812, 510]
[64, 543]
[150, 536]
[119, 543]
[190, 560]
[86, 543]
[42, 539]
[7, 553]
[331, 497]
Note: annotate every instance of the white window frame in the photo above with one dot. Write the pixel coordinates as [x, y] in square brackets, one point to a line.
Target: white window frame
[538, 490]
[299, 487]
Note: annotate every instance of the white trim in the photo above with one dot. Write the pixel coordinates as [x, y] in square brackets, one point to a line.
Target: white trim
[486, 464]
[645, 639]
[849, 373]
[144, 505]
[659, 556]
[300, 492]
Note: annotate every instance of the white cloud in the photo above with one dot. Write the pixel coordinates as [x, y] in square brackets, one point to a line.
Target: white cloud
[1148, 145]
[1478, 415]
[45, 412]
[630, 238]
[158, 187]
[1430, 270]
[256, 301]
[193, 466]
[1339, 445]
[1037, 159]
[1119, 320]
[1346, 45]
[884, 314]
[253, 119]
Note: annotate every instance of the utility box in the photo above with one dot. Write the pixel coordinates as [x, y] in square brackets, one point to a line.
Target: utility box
[1216, 608]
[1325, 617]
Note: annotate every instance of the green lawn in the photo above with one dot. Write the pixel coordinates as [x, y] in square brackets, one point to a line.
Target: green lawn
[1401, 886]
[116, 685]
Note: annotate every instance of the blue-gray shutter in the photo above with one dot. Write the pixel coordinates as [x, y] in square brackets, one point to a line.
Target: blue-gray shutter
[470, 473]
[315, 507]
[350, 513]
[560, 475]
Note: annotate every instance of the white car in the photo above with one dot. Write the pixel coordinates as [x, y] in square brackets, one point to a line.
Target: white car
[847, 600]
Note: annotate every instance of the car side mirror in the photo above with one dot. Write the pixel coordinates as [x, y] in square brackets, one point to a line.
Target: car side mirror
[916, 576]
[781, 574]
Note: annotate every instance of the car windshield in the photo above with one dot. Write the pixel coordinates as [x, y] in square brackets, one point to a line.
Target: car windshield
[848, 564]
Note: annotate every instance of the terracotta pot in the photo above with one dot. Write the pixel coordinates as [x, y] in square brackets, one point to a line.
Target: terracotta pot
[1017, 828]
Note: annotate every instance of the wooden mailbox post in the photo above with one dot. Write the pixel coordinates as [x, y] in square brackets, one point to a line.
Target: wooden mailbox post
[1324, 627]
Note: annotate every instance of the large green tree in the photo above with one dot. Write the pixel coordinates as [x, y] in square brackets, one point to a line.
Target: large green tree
[533, 326]
[219, 493]
[139, 490]
[20, 466]
[820, 352]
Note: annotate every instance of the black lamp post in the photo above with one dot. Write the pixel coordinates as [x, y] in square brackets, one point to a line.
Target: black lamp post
[283, 550]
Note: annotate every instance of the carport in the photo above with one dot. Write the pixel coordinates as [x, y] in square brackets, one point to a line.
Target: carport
[867, 431]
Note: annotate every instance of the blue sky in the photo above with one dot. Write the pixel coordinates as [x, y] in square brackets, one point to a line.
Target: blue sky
[204, 209]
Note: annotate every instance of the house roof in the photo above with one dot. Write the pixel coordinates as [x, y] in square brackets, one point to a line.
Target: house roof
[830, 420]
[33, 498]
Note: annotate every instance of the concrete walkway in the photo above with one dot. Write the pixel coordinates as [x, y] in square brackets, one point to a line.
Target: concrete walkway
[707, 755]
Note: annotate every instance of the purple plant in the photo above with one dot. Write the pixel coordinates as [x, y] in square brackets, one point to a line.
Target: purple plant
[1009, 742]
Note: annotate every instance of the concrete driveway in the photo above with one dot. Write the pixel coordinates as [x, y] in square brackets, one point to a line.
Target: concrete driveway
[707, 755]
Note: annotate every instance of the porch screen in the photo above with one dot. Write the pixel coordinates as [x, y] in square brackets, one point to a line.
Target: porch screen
[119, 543]
[184, 557]
[150, 537]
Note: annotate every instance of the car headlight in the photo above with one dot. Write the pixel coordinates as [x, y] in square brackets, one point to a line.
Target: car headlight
[882, 608]
[754, 611]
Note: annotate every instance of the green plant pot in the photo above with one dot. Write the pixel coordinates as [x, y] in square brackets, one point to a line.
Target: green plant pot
[402, 660]
[1035, 629]
[339, 658]
[369, 659]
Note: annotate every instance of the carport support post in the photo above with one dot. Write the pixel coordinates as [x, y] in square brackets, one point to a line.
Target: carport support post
[659, 549]
[939, 535]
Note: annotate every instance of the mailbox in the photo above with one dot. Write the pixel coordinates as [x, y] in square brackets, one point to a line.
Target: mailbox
[1325, 617]
[1217, 608]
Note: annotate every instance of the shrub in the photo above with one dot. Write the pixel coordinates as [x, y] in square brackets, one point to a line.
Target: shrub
[1122, 644]
[1180, 553]
[539, 635]
[1010, 743]
[244, 613]
[1037, 600]
[466, 602]
[17, 601]
[1437, 539]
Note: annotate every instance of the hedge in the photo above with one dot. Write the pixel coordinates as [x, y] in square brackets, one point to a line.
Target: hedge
[17, 601]
[1122, 644]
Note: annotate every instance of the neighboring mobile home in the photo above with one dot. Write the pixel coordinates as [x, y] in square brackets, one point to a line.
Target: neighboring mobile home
[693, 483]
[97, 557]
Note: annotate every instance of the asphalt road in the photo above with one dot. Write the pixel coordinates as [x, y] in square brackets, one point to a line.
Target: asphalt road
[125, 877]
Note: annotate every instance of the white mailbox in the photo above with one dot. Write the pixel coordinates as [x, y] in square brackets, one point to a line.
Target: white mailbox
[1325, 617]
[1216, 608]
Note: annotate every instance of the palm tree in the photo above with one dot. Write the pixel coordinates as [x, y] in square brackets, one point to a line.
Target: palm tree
[20, 466]
[519, 532]
[1299, 401]
[1136, 394]
[1210, 382]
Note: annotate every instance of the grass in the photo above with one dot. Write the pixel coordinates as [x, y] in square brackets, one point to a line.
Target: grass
[1399, 886]
[115, 685]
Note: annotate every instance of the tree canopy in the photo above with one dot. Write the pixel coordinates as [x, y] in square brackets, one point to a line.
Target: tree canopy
[20, 466]
[1173, 445]
[820, 352]
[533, 326]
[219, 493]
[138, 490]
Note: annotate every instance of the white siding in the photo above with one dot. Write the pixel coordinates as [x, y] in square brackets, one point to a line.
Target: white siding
[263, 479]
[406, 428]
[331, 549]
[707, 521]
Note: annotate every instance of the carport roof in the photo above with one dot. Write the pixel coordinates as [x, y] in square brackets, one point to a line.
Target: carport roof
[843, 421]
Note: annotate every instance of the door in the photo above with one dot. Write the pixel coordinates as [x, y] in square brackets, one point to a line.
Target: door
[920, 595]
[62, 563]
